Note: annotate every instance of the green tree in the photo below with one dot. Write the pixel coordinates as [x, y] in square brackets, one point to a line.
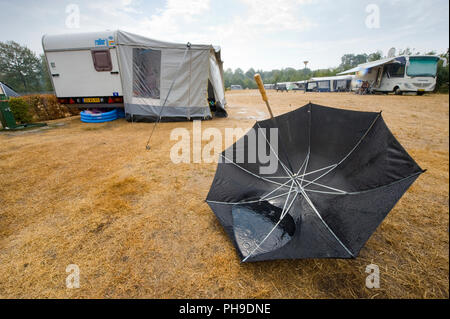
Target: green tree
[442, 76]
[21, 68]
[44, 75]
[250, 73]
[406, 51]
[349, 61]
[375, 56]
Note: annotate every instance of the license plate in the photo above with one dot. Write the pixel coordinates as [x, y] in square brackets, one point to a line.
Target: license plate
[421, 90]
[91, 100]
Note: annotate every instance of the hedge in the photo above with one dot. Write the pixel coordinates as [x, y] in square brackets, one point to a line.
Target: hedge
[39, 107]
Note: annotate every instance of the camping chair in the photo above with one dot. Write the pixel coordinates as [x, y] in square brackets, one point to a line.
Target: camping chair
[366, 88]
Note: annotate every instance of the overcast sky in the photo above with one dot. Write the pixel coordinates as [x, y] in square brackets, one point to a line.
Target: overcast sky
[252, 33]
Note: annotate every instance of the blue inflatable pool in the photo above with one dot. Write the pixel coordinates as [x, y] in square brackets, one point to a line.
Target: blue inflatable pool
[99, 117]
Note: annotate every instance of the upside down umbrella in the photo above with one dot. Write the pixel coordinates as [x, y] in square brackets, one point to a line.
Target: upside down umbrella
[338, 174]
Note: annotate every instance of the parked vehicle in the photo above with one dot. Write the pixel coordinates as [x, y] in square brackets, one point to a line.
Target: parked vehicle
[330, 84]
[415, 73]
[281, 87]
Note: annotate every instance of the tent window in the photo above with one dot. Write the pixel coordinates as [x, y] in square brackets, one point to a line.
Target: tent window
[324, 84]
[312, 85]
[102, 60]
[341, 85]
[146, 73]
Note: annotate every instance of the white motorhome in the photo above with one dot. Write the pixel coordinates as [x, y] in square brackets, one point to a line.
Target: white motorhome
[398, 74]
[149, 78]
[340, 83]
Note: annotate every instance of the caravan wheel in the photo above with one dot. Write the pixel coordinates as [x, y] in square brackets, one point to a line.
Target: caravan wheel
[397, 91]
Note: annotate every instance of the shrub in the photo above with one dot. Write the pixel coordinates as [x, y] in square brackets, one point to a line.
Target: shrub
[20, 109]
[44, 107]
[39, 107]
[442, 78]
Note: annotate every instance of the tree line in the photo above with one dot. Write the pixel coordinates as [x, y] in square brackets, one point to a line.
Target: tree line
[348, 61]
[24, 71]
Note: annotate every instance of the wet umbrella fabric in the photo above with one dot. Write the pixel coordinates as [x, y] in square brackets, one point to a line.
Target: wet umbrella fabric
[339, 174]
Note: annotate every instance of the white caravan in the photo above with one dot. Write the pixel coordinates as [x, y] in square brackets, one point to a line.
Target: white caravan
[149, 78]
[340, 83]
[414, 73]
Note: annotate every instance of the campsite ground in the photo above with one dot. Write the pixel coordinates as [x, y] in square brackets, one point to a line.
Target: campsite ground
[137, 225]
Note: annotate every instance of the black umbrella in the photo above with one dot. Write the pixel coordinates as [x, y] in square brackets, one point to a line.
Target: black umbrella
[338, 175]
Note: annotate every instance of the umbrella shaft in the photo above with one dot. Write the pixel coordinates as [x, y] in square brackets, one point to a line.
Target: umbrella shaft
[270, 110]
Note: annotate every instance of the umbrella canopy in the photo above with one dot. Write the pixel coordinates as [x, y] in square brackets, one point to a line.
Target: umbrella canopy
[338, 175]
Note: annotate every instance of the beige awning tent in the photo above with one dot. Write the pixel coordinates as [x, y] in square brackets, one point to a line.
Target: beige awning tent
[168, 78]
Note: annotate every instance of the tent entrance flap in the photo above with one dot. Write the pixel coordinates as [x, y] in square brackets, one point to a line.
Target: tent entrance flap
[216, 87]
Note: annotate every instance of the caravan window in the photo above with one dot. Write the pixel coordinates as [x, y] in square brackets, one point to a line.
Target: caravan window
[102, 60]
[146, 73]
[395, 70]
[422, 66]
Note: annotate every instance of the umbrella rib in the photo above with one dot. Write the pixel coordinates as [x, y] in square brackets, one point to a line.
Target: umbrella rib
[248, 202]
[247, 171]
[271, 231]
[309, 141]
[271, 192]
[360, 192]
[301, 166]
[287, 199]
[315, 171]
[306, 167]
[349, 153]
[325, 186]
[309, 146]
[323, 192]
[386, 185]
[282, 164]
[323, 221]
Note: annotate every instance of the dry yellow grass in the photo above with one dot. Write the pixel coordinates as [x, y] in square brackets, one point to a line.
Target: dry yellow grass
[137, 225]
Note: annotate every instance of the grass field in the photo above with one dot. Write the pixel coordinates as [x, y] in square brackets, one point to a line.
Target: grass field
[137, 225]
